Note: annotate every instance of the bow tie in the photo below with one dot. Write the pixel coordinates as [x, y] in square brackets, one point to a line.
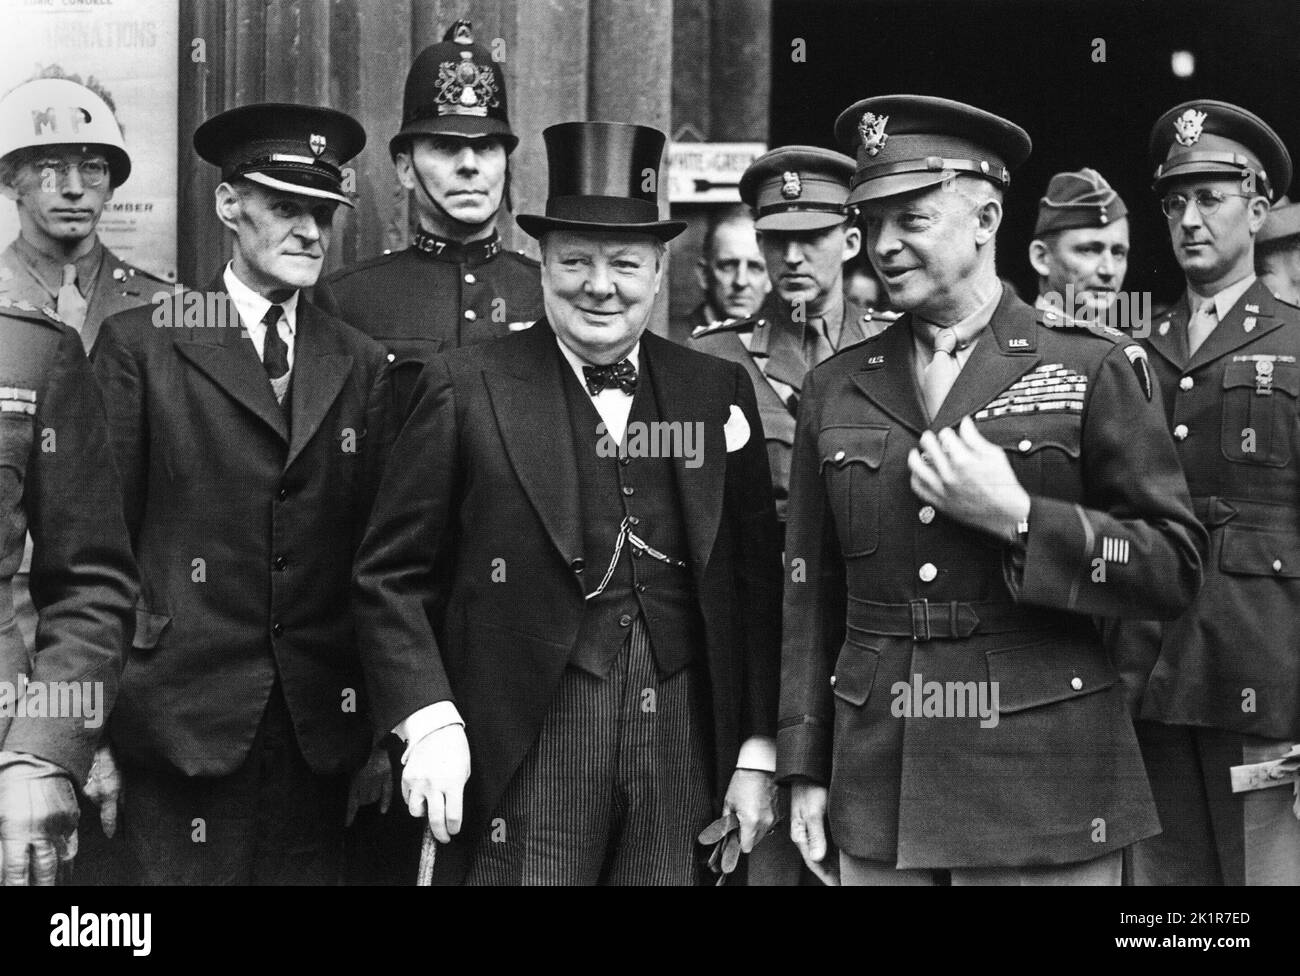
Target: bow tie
[621, 374]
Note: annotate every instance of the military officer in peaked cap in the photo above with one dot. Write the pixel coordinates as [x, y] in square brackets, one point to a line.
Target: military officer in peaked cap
[456, 283]
[806, 233]
[1224, 686]
[57, 480]
[962, 499]
[1277, 251]
[250, 437]
[1080, 248]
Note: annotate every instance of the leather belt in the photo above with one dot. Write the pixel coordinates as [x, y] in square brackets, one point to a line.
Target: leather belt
[924, 620]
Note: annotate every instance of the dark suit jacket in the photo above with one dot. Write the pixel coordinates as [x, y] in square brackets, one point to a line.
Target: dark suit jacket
[57, 479]
[487, 481]
[244, 532]
[1053, 773]
[1232, 661]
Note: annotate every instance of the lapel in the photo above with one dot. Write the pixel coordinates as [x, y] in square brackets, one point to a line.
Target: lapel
[1171, 344]
[1006, 351]
[682, 397]
[110, 296]
[321, 366]
[785, 362]
[528, 402]
[885, 377]
[222, 351]
[851, 329]
[1231, 333]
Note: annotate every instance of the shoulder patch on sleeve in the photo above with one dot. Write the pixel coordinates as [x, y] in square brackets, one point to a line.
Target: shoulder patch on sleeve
[1137, 357]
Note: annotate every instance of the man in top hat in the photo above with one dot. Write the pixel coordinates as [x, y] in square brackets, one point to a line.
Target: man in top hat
[581, 539]
[806, 233]
[1224, 688]
[968, 488]
[249, 429]
[53, 435]
[731, 273]
[1080, 248]
[456, 283]
[1277, 251]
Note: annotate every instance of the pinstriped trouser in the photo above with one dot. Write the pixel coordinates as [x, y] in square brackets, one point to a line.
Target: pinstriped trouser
[614, 790]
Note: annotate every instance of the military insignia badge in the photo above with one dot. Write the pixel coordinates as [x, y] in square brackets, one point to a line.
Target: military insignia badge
[1263, 377]
[1137, 356]
[317, 143]
[1187, 127]
[1249, 323]
[1164, 328]
[872, 130]
[17, 399]
[1049, 388]
[466, 87]
[791, 187]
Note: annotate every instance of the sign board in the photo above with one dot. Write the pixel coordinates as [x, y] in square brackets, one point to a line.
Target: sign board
[709, 172]
[130, 48]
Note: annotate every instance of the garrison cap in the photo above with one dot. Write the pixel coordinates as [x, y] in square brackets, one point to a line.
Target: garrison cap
[797, 188]
[455, 88]
[1079, 199]
[909, 142]
[1283, 221]
[1211, 138]
[296, 148]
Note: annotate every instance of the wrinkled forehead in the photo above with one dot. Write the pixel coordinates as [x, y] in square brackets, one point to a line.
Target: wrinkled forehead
[606, 244]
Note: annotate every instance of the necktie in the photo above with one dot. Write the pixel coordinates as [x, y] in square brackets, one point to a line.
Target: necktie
[816, 347]
[1200, 327]
[70, 305]
[941, 374]
[275, 352]
[621, 374]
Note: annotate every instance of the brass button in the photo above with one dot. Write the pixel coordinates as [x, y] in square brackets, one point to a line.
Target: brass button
[625, 621]
[1025, 445]
[629, 490]
[1076, 684]
[926, 514]
[470, 279]
[1180, 432]
[1186, 383]
[1277, 565]
[927, 573]
[391, 357]
[832, 681]
[577, 565]
[470, 314]
[840, 455]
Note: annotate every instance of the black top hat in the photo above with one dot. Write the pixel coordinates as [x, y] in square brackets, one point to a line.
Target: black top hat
[603, 176]
[295, 148]
[454, 88]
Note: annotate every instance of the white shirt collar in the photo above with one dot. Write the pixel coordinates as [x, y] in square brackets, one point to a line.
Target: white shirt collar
[1224, 300]
[251, 306]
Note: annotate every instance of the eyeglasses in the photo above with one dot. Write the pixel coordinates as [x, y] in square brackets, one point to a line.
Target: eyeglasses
[1207, 202]
[93, 172]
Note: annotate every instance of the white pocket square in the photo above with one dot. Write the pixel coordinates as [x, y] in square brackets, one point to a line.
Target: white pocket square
[736, 430]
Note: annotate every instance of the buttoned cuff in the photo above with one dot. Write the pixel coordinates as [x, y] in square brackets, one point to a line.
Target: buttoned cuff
[425, 721]
[758, 752]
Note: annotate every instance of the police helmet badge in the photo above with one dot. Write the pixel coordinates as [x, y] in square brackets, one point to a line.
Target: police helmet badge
[791, 186]
[872, 130]
[1188, 127]
[317, 143]
[465, 87]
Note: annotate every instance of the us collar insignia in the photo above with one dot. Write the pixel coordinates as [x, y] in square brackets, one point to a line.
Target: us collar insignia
[317, 142]
[1252, 309]
[1188, 127]
[872, 130]
[119, 274]
[1018, 344]
[465, 87]
[791, 187]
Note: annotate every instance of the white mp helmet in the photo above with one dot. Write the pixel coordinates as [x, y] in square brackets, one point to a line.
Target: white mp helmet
[61, 112]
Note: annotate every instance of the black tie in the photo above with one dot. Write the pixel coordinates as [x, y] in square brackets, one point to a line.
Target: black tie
[275, 352]
[621, 374]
